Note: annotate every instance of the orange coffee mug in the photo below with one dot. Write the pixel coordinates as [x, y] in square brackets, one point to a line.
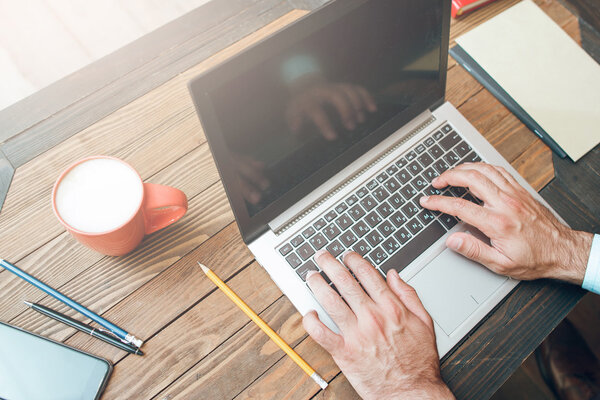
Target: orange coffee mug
[104, 204]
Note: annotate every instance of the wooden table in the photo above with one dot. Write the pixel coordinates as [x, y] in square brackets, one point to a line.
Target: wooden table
[134, 105]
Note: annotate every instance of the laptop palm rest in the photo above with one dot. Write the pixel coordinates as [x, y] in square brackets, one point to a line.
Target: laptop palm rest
[452, 287]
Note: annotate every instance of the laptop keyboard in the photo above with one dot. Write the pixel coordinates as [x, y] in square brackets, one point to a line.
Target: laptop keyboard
[382, 220]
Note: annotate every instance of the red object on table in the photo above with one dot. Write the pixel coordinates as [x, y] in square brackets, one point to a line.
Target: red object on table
[460, 7]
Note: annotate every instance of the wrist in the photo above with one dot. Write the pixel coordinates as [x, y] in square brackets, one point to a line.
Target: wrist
[574, 253]
[434, 391]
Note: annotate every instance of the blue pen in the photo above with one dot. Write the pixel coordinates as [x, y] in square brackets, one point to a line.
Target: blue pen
[115, 330]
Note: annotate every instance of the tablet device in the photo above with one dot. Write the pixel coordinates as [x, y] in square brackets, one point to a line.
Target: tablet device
[33, 367]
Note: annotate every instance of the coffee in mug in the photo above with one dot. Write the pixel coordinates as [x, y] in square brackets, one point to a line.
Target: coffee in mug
[104, 204]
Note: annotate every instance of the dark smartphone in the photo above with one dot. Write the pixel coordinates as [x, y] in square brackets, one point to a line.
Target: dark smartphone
[34, 367]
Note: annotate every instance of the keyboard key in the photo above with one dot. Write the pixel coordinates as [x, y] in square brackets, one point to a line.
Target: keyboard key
[348, 238]
[447, 128]
[340, 208]
[435, 151]
[431, 191]
[414, 248]
[429, 142]
[369, 202]
[372, 184]
[285, 249]
[403, 176]
[471, 157]
[331, 231]
[458, 191]
[408, 192]
[411, 155]
[438, 135]
[362, 247]
[420, 148]
[362, 192]
[391, 170]
[390, 245]
[430, 174]
[410, 210]
[381, 177]
[305, 251]
[451, 158]
[380, 194]
[374, 238]
[360, 229]
[450, 141]
[378, 255]
[414, 226]
[414, 168]
[401, 162]
[356, 212]
[344, 222]
[425, 217]
[319, 224]
[324, 275]
[462, 149]
[293, 260]
[448, 221]
[396, 200]
[384, 210]
[308, 232]
[470, 198]
[386, 228]
[425, 159]
[373, 219]
[303, 270]
[297, 241]
[440, 166]
[335, 248]
[330, 216]
[403, 235]
[419, 183]
[351, 200]
[318, 241]
[392, 185]
[398, 219]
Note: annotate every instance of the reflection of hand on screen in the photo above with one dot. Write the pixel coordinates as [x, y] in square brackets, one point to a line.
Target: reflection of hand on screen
[252, 178]
[351, 103]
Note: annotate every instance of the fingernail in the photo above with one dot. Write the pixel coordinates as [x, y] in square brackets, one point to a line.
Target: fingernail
[345, 253]
[424, 199]
[310, 273]
[319, 254]
[454, 243]
[434, 181]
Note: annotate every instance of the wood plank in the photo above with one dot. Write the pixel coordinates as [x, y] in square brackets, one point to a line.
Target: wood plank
[339, 389]
[460, 86]
[112, 82]
[580, 177]
[535, 165]
[208, 324]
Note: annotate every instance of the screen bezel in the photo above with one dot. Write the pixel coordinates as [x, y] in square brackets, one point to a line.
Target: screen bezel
[200, 87]
[109, 366]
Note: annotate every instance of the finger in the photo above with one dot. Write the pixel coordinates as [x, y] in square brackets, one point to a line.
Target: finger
[367, 275]
[476, 250]
[356, 101]
[343, 280]
[408, 296]
[489, 171]
[511, 179]
[477, 183]
[333, 304]
[367, 99]
[254, 176]
[343, 107]
[320, 119]
[249, 192]
[321, 334]
[469, 212]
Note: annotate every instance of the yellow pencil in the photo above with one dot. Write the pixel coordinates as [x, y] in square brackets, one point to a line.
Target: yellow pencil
[265, 328]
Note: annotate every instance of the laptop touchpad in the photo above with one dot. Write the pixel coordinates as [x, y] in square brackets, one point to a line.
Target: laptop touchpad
[451, 288]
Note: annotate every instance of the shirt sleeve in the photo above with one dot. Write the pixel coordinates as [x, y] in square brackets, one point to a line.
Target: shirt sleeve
[591, 281]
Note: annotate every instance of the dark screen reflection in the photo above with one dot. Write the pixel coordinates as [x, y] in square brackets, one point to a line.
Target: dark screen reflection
[294, 113]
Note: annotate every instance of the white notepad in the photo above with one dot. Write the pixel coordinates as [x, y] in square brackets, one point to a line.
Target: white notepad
[551, 77]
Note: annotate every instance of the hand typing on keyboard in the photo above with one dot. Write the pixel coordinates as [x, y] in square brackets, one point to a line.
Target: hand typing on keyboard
[386, 347]
[526, 240]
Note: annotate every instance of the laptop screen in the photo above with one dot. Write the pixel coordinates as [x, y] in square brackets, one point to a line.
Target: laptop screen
[285, 115]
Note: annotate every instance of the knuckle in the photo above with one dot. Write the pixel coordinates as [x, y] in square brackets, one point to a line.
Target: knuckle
[472, 251]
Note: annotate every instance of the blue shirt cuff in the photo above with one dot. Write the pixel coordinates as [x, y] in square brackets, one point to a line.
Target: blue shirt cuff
[591, 281]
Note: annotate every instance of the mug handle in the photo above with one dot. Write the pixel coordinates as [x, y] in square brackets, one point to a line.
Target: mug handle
[163, 205]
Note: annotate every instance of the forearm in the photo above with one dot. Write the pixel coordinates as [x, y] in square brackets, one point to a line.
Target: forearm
[572, 256]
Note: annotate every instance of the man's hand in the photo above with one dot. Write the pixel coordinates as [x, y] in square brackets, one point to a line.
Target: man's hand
[526, 240]
[386, 348]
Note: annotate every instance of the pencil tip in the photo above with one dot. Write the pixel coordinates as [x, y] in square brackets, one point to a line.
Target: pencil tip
[28, 304]
[204, 267]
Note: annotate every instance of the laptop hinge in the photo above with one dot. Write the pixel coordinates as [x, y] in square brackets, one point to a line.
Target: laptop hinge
[279, 226]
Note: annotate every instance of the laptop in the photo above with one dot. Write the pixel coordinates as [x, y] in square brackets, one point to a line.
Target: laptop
[326, 134]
